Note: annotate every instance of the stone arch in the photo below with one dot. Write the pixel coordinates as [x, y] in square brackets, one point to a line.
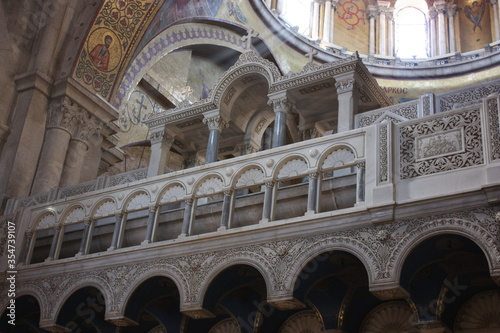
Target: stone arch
[211, 183]
[339, 154]
[257, 126]
[44, 220]
[246, 176]
[28, 290]
[457, 226]
[72, 214]
[175, 191]
[136, 200]
[237, 259]
[170, 39]
[103, 208]
[331, 244]
[150, 272]
[291, 166]
[74, 283]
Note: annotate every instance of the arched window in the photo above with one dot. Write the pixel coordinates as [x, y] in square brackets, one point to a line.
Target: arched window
[411, 33]
[298, 14]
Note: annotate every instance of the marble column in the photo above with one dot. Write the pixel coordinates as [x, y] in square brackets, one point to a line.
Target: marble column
[390, 32]
[116, 240]
[187, 220]
[84, 244]
[348, 102]
[372, 14]
[227, 206]
[161, 143]
[315, 20]
[28, 238]
[281, 107]
[360, 184]
[496, 19]
[62, 121]
[268, 202]
[383, 7]
[312, 199]
[151, 226]
[432, 31]
[451, 10]
[55, 242]
[215, 124]
[440, 7]
[77, 150]
[327, 23]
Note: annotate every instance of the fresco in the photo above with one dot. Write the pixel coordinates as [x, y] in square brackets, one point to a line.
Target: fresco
[117, 27]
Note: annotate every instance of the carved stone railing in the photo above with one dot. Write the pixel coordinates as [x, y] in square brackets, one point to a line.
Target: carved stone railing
[100, 183]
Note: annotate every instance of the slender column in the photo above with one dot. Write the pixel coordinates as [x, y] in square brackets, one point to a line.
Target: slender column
[390, 32]
[55, 242]
[161, 143]
[186, 222]
[226, 209]
[383, 6]
[84, 244]
[440, 7]
[268, 202]
[360, 184]
[215, 124]
[315, 20]
[281, 107]
[348, 103]
[372, 14]
[496, 18]
[62, 120]
[327, 23]
[451, 11]
[312, 193]
[432, 31]
[28, 238]
[152, 218]
[117, 231]
[332, 28]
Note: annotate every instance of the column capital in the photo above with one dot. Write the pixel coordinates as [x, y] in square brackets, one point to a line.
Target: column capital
[269, 184]
[440, 7]
[433, 13]
[162, 137]
[361, 165]
[64, 113]
[451, 10]
[29, 233]
[493, 2]
[153, 208]
[87, 222]
[215, 121]
[372, 11]
[119, 215]
[345, 85]
[313, 175]
[88, 126]
[228, 192]
[189, 201]
[280, 104]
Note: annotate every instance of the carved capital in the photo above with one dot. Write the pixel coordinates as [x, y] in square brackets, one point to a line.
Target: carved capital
[87, 223]
[313, 175]
[269, 184]
[451, 10]
[246, 149]
[228, 193]
[64, 113]
[440, 7]
[372, 12]
[153, 208]
[282, 104]
[88, 126]
[433, 13]
[215, 122]
[189, 201]
[361, 165]
[344, 85]
[162, 137]
[29, 233]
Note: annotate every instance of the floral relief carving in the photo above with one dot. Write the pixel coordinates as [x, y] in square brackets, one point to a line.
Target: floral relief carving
[293, 168]
[383, 153]
[437, 129]
[211, 185]
[494, 122]
[107, 208]
[174, 193]
[250, 177]
[450, 101]
[48, 221]
[338, 158]
[76, 215]
[139, 201]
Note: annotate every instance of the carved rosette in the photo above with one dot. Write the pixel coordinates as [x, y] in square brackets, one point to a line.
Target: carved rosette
[215, 122]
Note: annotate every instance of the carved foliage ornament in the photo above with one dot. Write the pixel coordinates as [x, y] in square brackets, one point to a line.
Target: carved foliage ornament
[442, 145]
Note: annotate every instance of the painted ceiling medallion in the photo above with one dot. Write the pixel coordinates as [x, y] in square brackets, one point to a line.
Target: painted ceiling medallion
[392, 317]
[302, 322]
[226, 326]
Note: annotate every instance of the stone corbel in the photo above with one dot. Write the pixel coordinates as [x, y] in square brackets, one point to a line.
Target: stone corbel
[122, 321]
[197, 313]
[387, 292]
[285, 304]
